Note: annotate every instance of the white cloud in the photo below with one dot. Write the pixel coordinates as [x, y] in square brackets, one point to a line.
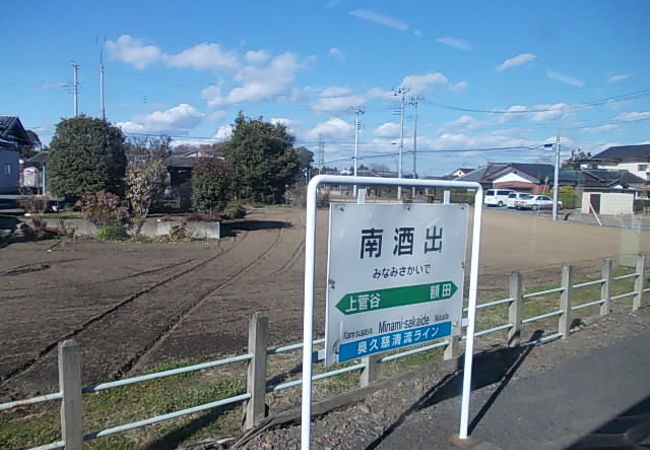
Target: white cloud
[336, 53]
[515, 61]
[633, 116]
[177, 120]
[335, 91]
[417, 32]
[463, 123]
[607, 128]
[333, 127]
[224, 133]
[381, 94]
[557, 76]
[204, 57]
[133, 51]
[458, 87]
[549, 112]
[455, 42]
[387, 130]
[256, 56]
[336, 99]
[618, 77]
[292, 125]
[380, 19]
[216, 116]
[513, 113]
[261, 82]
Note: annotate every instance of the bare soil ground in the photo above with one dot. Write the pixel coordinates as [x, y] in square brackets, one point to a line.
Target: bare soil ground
[132, 306]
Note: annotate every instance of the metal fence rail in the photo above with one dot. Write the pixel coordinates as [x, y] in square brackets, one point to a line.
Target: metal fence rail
[258, 351]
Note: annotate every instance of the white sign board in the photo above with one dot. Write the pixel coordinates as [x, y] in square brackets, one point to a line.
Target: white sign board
[395, 276]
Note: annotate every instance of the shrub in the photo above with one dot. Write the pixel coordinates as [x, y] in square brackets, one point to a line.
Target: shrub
[32, 205]
[211, 185]
[112, 233]
[234, 211]
[641, 204]
[103, 209]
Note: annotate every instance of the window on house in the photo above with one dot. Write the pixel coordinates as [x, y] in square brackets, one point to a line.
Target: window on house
[643, 167]
[7, 169]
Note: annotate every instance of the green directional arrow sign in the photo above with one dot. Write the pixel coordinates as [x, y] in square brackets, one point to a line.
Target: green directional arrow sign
[360, 302]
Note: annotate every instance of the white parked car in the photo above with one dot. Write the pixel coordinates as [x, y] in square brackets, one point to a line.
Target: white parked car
[536, 202]
[510, 202]
[497, 197]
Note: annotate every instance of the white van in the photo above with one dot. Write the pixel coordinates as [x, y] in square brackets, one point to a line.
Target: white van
[497, 197]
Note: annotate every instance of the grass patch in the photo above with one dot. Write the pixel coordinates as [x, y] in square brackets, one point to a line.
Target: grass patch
[39, 424]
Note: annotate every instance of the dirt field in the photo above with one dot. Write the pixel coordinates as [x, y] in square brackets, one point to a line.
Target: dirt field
[133, 306]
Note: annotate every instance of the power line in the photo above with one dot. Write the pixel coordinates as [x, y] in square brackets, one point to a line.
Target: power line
[599, 102]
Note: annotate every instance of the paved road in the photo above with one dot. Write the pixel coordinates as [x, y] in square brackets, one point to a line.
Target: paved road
[598, 400]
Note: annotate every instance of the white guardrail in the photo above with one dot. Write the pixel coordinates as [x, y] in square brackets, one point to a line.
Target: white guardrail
[70, 395]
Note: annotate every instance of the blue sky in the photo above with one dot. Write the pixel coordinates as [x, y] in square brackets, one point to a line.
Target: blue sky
[488, 76]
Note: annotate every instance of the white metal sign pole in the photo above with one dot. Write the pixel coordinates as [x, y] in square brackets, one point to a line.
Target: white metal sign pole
[471, 314]
[308, 317]
[310, 266]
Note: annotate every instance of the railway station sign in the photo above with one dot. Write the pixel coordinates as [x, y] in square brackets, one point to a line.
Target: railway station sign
[395, 276]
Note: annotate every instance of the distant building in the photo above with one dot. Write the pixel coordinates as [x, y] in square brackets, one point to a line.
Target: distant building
[12, 136]
[633, 158]
[461, 172]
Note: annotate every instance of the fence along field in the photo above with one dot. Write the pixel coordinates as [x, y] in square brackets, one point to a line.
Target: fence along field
[565, 303]
[193, 326]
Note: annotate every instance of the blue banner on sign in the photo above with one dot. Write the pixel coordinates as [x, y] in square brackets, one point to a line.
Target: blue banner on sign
[392, 341]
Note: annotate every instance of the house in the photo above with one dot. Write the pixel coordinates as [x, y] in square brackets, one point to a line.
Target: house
[633, 158]
[522, 177]
[12, 136]
[461, 172]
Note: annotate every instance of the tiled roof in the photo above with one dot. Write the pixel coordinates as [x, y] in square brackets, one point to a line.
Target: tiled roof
[625, 152]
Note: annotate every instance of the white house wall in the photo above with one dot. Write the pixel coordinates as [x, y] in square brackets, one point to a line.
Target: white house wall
[511, 177]
[611, 203]
[632, 167]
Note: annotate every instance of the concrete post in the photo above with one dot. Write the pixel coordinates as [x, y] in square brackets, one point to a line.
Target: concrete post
[370, 371]
[639, 282]
[606, 288]
[514, 309]
[564, 325]
[452, 349]
[258, 336]
[71, 404]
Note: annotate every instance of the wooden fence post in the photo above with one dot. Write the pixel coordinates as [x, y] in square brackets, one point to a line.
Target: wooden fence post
[258, 336]
[564, 325]
[606, 287]
[514, 309]
[370, 371]
[639, 282]
[71, 403]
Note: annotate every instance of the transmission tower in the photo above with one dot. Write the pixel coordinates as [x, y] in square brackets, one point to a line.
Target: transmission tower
[401, 93]
[357, 110]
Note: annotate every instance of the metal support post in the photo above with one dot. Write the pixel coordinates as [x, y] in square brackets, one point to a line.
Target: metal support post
[71, 404]
[258, 336]
[514, 309]
[451, 350]
[639, 282]
[564, 325]
[606, 287]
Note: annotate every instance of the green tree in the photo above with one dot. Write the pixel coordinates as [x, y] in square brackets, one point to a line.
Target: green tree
[211, 185]
[262, 160]
[29, 150]
[145, 174]
[86, 155]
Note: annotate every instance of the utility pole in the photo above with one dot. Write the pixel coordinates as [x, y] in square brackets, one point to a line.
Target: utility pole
[75, 88]
[556, 174]
[101, 83]
[401, 92]
[414, 101]
[321, 153]
[357, 110]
